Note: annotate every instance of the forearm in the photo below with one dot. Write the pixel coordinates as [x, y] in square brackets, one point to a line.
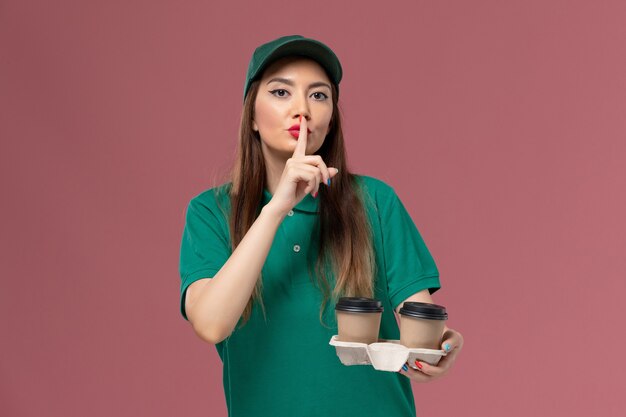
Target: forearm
[219, 304]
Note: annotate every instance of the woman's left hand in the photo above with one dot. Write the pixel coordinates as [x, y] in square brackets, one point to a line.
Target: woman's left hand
[452, 343]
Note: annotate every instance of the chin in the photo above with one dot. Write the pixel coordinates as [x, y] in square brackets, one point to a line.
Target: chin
[282, 153]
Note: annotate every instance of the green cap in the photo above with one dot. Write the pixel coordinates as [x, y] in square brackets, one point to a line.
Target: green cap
[269, 52]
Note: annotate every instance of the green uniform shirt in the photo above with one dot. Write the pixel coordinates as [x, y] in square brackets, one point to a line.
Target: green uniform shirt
[284, 366]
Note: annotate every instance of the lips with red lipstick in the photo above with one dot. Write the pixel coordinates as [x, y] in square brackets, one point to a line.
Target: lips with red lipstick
[295, 131]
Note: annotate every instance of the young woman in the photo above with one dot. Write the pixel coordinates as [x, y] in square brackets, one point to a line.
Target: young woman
[265, 256]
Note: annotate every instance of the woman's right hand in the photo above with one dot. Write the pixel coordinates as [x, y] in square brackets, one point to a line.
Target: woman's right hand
[302, 175]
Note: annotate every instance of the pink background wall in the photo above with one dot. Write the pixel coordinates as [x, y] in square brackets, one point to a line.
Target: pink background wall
[501, 125]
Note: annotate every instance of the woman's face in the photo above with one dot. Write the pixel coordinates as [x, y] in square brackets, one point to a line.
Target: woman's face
[289, 88]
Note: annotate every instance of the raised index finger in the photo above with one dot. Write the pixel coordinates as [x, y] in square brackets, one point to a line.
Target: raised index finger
[302, 139]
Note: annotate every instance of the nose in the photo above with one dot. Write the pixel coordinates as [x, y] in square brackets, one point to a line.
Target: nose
[301, 106]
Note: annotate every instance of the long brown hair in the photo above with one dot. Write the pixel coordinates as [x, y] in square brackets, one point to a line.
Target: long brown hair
[345, 242]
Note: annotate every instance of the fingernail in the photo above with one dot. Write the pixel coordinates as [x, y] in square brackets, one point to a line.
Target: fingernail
[447, 346]
[315, 194]
[328, 182]
[300, 118]
[419, 365]
[404, 367]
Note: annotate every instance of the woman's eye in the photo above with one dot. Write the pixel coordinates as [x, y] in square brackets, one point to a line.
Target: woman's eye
[283, 93]
[279, 92]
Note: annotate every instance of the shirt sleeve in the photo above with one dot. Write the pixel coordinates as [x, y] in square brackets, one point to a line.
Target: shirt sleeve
[409, 266]
[205, 245]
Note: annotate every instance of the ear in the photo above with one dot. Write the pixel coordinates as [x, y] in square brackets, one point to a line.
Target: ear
[254, 126]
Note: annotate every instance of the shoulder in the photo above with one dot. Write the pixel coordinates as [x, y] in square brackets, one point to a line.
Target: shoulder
[212, 200]
[374, 188]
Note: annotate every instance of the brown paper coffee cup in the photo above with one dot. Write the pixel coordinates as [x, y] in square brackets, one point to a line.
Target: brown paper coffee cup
[358, 319]
[422, 324]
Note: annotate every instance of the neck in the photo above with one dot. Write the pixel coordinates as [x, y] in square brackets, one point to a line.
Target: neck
[274, 167]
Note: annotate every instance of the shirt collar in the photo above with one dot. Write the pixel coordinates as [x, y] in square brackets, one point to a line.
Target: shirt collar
[308, 203]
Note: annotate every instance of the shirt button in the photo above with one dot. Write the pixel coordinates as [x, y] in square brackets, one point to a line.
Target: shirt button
[296, 248]
[290, 213]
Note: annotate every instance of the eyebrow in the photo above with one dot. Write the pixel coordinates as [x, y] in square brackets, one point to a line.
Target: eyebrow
[291, 83]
